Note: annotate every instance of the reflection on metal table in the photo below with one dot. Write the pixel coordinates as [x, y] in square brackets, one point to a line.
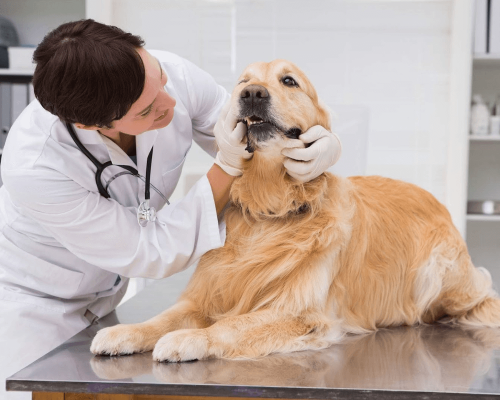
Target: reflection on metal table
[425, 362]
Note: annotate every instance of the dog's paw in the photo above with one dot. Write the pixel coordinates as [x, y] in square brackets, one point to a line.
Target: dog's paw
[119, 340]
[182, 345]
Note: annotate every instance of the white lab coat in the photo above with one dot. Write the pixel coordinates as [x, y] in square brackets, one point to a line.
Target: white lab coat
[64, 249]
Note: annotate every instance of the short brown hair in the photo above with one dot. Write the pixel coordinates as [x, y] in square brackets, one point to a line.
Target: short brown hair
[88, 72]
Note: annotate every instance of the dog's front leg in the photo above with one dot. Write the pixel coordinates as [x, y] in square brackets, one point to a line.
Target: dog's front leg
[249, 336]
[138, 338]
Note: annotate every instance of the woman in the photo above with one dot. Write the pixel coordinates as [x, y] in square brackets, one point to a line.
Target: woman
[70, 236]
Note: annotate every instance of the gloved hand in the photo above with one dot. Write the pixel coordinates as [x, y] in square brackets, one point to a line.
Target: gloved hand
[229, 135]
[305, 164]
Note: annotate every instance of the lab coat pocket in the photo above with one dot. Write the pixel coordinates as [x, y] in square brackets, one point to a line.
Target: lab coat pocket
[20, 268]
[171, 177]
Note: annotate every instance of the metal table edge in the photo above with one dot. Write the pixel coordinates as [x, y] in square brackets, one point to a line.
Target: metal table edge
[214, 390]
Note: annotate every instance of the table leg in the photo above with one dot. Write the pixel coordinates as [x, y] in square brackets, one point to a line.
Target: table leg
[80, 396]
[47, 396]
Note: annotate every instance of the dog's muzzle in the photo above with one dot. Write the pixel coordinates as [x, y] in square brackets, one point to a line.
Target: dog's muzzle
[255, 112]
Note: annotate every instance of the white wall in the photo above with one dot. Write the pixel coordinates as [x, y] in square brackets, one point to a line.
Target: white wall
[391, 57]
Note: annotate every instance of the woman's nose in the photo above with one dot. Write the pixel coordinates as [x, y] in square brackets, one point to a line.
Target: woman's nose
[167, 101]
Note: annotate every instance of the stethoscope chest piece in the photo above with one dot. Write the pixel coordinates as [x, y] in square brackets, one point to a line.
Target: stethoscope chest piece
[145, 213]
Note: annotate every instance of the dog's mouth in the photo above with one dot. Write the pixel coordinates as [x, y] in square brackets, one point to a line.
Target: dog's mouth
[257, 122]
[260, 130]
[254, 120]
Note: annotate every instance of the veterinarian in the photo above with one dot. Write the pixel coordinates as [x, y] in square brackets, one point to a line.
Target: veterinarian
[73, 228]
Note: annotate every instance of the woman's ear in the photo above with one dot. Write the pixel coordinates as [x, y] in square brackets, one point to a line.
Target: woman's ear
[86, 127]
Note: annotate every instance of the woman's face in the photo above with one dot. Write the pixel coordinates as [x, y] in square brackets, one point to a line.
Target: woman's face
[153, 110]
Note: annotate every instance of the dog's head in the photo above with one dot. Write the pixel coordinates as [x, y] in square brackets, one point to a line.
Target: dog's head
[277, 102]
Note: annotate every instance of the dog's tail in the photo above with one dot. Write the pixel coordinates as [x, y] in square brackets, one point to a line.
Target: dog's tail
[486, 313]
[486, 310]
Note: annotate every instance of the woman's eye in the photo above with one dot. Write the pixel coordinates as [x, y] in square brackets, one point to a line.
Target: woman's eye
[146, 113]
[289, 81]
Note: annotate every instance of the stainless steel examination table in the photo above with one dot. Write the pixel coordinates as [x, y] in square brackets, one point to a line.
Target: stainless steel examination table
[426, 362]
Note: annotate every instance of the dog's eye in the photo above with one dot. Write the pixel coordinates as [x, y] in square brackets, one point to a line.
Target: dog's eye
[288, 81]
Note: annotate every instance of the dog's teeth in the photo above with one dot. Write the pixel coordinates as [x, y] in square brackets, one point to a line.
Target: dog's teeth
[250, 122]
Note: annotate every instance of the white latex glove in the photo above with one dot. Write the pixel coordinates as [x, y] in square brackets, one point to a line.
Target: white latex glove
[305, 164]
[229, 137]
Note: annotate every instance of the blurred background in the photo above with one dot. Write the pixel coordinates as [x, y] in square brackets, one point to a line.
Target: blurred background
[399, 76]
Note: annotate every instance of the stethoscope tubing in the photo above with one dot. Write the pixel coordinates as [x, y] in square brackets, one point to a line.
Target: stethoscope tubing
[141, 178]
[100, 167]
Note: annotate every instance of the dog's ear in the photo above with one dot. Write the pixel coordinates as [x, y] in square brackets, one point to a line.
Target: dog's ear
[324, 116]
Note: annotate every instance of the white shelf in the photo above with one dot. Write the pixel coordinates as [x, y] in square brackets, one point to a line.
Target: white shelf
[487, 60]
[480, 217]
[484, 138]
[486, 56]
[9, 71]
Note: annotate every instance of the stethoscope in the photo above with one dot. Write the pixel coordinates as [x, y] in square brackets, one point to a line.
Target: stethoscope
[145, 212]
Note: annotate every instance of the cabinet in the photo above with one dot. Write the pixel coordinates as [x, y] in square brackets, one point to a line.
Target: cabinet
[483, 231]
[32, 20]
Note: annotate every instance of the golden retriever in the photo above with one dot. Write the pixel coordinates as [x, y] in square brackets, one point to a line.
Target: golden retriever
[305, 263]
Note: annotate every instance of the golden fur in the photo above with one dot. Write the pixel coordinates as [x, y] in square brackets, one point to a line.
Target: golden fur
[305, 263]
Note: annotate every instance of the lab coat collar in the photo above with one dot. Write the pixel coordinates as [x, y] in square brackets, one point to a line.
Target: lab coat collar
[88, 136]
[93, 137]
[144, 143]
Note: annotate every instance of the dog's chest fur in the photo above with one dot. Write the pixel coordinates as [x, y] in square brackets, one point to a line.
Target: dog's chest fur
[279, 256]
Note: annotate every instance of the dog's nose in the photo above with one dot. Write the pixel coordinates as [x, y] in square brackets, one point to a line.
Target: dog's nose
[254, 93]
